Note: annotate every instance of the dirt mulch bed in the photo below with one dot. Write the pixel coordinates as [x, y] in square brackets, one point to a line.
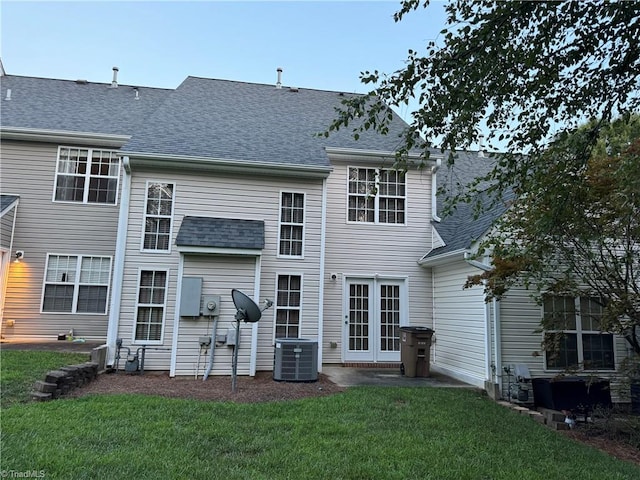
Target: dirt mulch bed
[261, 388]
[615, 448]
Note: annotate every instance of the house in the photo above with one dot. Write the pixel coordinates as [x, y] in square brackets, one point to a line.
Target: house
[130, 199]
[128, 211]
[482, 342]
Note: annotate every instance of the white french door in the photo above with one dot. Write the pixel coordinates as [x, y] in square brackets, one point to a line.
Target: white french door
[374, 310]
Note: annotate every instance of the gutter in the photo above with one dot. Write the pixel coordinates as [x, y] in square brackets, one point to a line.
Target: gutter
[442, 258]
[160, 161]
[63, 136]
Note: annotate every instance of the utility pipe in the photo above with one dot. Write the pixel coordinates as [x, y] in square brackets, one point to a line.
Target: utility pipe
[213, 347]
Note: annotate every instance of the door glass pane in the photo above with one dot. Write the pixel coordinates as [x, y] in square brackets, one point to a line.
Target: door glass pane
[390, 318]
[358, 317]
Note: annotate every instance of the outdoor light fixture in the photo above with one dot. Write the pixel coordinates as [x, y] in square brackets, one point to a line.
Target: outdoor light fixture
[19, 255]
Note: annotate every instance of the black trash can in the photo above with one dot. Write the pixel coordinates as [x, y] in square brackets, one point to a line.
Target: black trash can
[415, 350]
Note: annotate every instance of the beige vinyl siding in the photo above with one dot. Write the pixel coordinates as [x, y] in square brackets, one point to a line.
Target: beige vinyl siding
[218, 274]
[42, 227]
[459, 324]
[236, 197]
[521, 338]
[370, 249]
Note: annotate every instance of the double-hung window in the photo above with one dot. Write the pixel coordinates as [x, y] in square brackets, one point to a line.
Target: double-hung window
[376, 196]
[573, 333]
[288, 304]
[76, 284]
[87, 175]
[152, 298]
[158, 217]
[291, 235]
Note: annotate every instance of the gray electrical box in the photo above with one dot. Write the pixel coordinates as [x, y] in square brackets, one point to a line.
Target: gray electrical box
[210, 305]
[190, 296]
[232, 341]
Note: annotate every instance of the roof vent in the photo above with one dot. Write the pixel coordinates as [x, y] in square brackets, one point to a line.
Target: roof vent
[293, 89]
[82, 81]
[8, 97]
[137, 93]
[279, 82]
[114, 82]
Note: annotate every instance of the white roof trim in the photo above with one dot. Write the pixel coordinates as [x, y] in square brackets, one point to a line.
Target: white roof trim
[443, 258]
[142, 160]
[63, 136]
[245, 252]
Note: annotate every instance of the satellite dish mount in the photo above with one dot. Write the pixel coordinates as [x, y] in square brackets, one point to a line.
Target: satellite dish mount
[246, 311]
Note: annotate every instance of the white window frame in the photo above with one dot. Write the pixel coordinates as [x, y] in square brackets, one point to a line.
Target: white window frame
[302, 225]
[150, 268]
[579, 331]
[87, 175]
[145, 216]
[76, 284]
[376, 196]
[277, 307]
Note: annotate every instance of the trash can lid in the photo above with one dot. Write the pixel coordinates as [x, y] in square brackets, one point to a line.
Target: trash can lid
[415, 329]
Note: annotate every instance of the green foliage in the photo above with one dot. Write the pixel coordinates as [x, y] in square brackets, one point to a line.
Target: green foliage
[20, 369]
[366, 432]
[576, 230]
[520, 71]
[529, 74]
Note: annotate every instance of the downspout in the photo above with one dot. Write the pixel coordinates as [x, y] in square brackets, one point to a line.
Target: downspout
[254, 326]
[434, 190]
[323, 239]
[497, 339]
[118, 267]
[487, 317]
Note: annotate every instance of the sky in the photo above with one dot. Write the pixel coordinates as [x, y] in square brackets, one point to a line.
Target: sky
[321, 45]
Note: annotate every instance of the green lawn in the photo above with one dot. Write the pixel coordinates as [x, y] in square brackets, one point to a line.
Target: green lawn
[19, 369]
[364, 433]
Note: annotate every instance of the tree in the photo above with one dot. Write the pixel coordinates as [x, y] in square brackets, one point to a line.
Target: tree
[576, 231]
[527, 75]
[521, 72]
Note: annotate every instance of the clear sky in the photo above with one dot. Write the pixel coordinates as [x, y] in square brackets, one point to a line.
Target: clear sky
[322, 45]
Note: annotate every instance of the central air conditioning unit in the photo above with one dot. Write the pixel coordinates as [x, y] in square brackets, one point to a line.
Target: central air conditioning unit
[295, 360]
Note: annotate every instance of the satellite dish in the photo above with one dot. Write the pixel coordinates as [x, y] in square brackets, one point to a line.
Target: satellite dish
[247, 309]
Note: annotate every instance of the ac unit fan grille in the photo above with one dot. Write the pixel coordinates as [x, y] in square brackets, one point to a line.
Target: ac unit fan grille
[296, 360]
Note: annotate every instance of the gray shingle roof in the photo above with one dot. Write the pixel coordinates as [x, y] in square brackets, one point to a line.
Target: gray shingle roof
[48, 104]
[221, 232]
[251, 122]
[6, 201]
[206, 118]
[461, 228]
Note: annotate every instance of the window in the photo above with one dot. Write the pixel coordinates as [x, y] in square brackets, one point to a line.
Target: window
[376, 195]
[76, 284]
[574, 336]
[87, 175]
[158, 217]
[152, 294]
[291, 224]
[288, 300]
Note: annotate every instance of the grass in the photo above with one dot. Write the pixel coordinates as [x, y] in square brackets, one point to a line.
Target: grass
[20, 369]
[364, 433]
